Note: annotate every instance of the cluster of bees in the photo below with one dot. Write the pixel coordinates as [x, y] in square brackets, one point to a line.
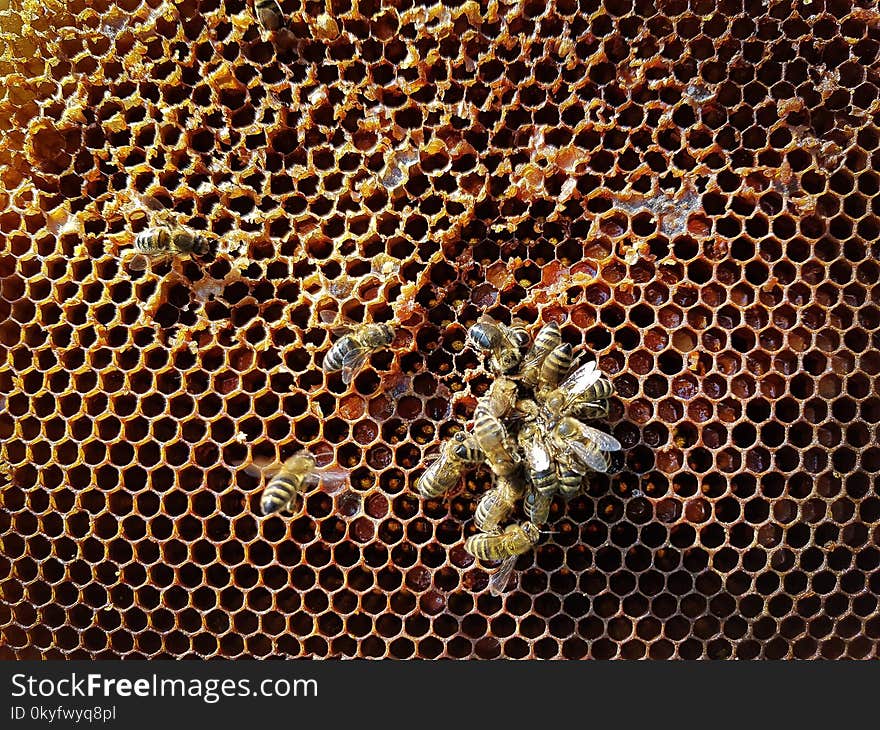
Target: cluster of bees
[529, 429]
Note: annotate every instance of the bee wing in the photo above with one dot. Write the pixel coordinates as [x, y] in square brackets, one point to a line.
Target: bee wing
[326, 315]
[138, 262]
[356, 357]
[604, 441]
[151, 203]
[589, 458]
[331, 480]
[581, 379]
[535, 356]
[348, 374]
[499, 579]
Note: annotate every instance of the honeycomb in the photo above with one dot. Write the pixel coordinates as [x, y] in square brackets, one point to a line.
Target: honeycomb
[690, 184]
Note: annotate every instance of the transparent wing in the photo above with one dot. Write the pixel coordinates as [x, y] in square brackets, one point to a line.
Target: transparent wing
[138, 262]
[327, 316]
[331, 480]
[261, 467]
[151, 203]
[588, 457]
[604, 441]
[356, 358]
[499, 579]
[581, 379]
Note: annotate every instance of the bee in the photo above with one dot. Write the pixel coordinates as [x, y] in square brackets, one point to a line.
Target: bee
[269, 14]
[504, 546]
[497, 446]
[505, 344]
[157, 244]
[584, 393]
[164, 239]
[295, 476]
[443, 474]
[548, 339]
[496, 504]
[583, 447]
[501, 398]
[540, 465]
[357, 343]
[555, 367]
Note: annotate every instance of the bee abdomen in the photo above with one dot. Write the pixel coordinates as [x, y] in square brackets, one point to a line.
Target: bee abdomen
[337, 355]
[439, 478]
[549, 338]
[492, 509]
[152, 241]
[492, 438]
[278, 493]
[569, 483]
[545, 482]
[556, 365]
[592, 410]
[485, 547]
[537, 506]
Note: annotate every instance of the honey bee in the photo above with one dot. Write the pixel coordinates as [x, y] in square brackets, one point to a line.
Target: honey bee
[583, 447]
[269, 14]
[548, 339]
[164, 239]
[505, 344]
[357, 343]
[583, 393]
[497, 446]
[496, 504]
[295, 476]
[540, 466]
[555, 366]
[157, 244]
[504, 546]
[444, 473]
[501, 398]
